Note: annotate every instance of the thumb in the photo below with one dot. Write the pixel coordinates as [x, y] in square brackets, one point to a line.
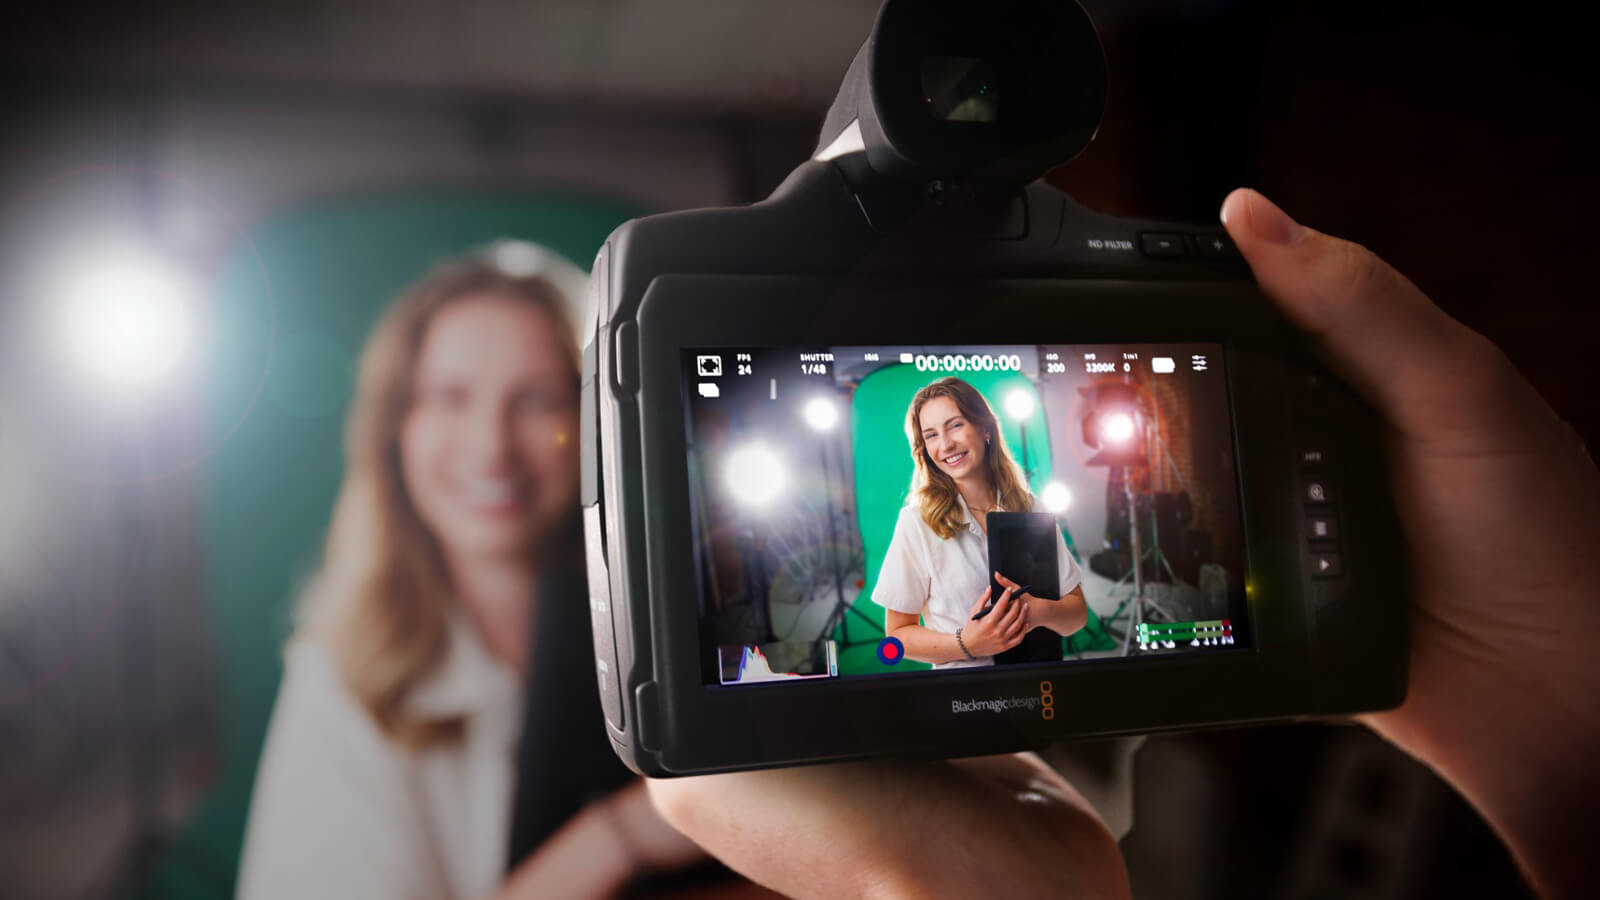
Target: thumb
[1402, 353]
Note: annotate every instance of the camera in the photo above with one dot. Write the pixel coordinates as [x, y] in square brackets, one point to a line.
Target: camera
[791, 411]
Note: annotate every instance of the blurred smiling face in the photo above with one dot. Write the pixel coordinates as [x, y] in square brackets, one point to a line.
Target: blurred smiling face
[489, 448]
[955, 443]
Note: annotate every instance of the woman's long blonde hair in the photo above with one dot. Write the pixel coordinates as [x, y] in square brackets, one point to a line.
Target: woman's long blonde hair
[934, 492]
[380, 599]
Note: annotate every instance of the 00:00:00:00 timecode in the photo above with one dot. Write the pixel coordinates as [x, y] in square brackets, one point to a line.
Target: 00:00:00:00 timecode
[976, 362]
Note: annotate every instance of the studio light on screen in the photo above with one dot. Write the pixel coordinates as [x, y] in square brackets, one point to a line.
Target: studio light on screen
[755, 475]
[1056, 496]
[1019, 405]
[1116, 428]
[822, 414]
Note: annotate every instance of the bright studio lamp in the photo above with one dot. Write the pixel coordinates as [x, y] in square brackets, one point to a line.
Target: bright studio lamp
[822, 414]
[755, 475]
[123, 321]
[1114, 425]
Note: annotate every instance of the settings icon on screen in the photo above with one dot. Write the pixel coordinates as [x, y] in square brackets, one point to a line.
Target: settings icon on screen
[708, 366]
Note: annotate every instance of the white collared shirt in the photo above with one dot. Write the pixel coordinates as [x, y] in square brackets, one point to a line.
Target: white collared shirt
[940, 579]
[341, 810]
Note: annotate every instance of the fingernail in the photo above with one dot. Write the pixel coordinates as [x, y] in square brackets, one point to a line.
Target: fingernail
[1268, 222]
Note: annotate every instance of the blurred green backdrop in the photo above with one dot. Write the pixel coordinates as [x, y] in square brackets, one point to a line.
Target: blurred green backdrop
[292, 309]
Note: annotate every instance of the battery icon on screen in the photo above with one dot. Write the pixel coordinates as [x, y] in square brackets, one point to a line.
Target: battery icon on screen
[1163, 365]
[906, 357]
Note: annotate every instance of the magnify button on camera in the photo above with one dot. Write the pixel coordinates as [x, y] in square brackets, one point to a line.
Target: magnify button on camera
[1158, 244]
[1315, 490]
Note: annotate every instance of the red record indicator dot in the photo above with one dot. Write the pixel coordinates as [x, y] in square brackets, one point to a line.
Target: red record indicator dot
[891, 651]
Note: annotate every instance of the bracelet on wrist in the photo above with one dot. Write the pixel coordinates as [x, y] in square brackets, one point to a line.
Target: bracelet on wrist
[963, 645]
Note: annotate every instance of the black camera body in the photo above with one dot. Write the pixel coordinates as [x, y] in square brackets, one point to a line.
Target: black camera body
[732, 529]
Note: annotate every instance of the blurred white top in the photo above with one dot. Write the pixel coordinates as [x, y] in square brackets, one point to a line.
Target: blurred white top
[938, 579]
[340, 810]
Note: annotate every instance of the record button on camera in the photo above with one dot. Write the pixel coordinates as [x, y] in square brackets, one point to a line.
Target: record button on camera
[1159, 244]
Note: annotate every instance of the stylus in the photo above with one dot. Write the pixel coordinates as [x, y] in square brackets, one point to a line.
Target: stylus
[985, 611]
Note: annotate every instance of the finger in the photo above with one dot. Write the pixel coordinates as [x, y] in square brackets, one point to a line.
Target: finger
[1015, 633]
[1404, 354]
[837, 822]
[1010, 585]
[1014, 615]
[1007, 594]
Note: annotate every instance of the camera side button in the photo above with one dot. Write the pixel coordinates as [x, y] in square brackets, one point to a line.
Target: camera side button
[1314, 489]
[1326, 563]
[1322, 526]
[625, 358]
[1162, 244]
[605, 642]
[1215, 245]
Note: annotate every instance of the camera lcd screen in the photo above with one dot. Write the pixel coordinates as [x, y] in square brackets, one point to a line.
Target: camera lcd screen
[818, 536]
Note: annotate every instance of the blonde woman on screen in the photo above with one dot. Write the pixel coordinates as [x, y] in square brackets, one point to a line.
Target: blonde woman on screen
[935, 575]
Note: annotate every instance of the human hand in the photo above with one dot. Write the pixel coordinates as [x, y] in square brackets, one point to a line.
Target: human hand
[652, 843]
[1498, 500]
[998, 826]
[1064, 616]
[1000, 629]
[601, 848]
[1038, 610]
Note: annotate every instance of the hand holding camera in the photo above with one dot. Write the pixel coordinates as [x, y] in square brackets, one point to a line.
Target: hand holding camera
[1504, 721]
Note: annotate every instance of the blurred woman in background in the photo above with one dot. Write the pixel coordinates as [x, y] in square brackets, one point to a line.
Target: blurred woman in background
[391, 765]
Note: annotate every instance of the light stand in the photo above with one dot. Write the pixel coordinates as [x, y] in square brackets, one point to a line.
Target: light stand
[1138, 560]
[822, 416]
[1120, 425]
[1019, 406]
